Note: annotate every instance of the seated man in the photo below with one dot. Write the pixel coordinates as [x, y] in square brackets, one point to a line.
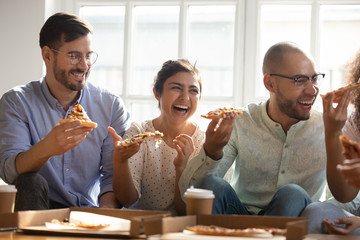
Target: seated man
[277, 146]
[60, 165]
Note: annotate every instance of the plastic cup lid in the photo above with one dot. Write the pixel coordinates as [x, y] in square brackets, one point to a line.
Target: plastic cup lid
[7, 188]
[198, 193]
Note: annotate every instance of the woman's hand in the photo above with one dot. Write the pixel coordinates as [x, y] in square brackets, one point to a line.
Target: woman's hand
[122, 153]
[184, 146]
[351, 223]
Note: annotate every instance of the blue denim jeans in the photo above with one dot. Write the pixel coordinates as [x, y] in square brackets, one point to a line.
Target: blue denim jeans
[290, 200]
[318, 211]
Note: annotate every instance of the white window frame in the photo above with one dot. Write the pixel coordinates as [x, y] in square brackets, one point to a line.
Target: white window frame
[247, 62]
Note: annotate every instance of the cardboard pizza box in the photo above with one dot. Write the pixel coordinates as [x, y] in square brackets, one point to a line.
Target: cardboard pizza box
[296, 227]
[33, 222]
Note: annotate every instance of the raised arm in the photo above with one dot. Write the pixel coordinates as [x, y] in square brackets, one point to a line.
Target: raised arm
[334, 120]
[123, 183]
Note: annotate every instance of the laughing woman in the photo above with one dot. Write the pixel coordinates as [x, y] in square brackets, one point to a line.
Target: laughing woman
[146, 174]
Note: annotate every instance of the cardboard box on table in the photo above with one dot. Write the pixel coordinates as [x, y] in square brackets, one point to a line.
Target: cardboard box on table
[33, 222]
[296, 227]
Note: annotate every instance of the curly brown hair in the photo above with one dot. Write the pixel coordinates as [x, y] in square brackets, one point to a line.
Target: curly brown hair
[352, 75]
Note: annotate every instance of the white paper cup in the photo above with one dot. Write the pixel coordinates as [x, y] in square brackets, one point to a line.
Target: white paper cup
[199, 201]
[7, 198]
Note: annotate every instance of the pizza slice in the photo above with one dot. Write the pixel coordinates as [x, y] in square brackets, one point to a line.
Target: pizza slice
[141, 137]
[340, 91]
[78, 113]
[69, 225]
[222, 113]
[349, 147]
[246, 232]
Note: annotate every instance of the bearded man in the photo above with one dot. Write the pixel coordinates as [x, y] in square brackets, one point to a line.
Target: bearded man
[60, 165]
[277, 146]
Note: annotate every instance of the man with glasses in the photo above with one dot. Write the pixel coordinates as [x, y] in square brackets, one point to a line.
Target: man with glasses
[277, 146]
[60, 165]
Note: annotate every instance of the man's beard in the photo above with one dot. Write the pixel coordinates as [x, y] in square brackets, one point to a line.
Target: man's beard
[63, 77]
[288, 107]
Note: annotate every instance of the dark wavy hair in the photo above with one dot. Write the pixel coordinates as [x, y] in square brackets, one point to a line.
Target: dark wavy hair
[63, 27]
[170, 68]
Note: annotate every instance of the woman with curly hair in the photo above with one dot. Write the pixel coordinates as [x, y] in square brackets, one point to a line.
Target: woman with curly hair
[343, 170]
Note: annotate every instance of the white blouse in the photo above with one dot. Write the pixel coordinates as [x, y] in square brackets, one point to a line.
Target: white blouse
[153, 171]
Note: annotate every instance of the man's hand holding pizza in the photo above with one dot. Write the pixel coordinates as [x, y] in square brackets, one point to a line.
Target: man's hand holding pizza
[218, 134]
[60, 139]
[335, 117]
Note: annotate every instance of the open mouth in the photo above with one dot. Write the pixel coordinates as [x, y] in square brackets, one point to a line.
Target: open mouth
[181, 108]
[306, 103]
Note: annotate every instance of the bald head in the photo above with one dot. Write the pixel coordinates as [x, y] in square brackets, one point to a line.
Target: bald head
[274, 57]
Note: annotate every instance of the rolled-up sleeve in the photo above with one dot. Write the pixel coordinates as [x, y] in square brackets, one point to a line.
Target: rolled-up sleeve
[14, 137]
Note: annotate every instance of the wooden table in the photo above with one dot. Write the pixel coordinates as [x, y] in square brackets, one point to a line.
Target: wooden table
[12, 235]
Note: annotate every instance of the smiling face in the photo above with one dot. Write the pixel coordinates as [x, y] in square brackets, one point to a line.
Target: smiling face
[292, 101]
[179, 98]
[73, 77]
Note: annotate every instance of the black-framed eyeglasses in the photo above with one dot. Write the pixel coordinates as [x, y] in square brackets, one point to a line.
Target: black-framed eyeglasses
[75, 57]
[302, 80]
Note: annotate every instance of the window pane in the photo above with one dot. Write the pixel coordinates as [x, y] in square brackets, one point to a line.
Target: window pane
[339, 41]
[282, 23]
[211, 46]
[141, 111]
[108, 42]
[155, 41]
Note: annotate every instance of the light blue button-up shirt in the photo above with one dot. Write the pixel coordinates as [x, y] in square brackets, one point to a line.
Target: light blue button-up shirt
[266, 158]
[77, 177]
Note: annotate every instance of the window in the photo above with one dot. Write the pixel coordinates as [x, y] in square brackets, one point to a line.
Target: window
[227, 40]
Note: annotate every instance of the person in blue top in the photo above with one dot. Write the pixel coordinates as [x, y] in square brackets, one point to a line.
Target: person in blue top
[60, 165]
[277, 146]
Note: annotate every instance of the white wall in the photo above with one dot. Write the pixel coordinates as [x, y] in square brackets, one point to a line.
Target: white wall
[20, 54]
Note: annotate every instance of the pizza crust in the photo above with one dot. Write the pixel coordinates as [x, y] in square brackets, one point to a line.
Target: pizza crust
[83, 123]
[141, 137]
[340, 91]
[247, 232]
[78, 113]
[222, 113]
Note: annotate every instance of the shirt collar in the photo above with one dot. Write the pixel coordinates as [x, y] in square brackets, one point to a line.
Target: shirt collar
[51, 99]
[272, 123]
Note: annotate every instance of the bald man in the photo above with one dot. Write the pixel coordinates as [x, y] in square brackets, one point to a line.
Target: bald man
[277, 146]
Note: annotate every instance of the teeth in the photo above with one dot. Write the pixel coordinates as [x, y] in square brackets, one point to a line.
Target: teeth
[306, 102]
[78, 74]
[181, 106]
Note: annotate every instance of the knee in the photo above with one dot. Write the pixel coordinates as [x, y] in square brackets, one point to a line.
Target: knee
[30, 181]
[210, 182]
[216, 184]
[323, 210]
[295, 193]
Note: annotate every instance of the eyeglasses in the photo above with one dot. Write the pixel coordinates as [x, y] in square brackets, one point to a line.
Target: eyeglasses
[302, 80]
[75, 57]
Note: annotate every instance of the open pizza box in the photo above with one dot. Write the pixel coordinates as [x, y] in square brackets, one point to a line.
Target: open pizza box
[8, 221]
[40, 222]
[172, 227]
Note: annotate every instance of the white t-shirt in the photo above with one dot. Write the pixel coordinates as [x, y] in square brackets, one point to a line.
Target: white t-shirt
[153, 171]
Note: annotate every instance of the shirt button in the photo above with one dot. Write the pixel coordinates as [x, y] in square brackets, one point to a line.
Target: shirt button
[285, 146]
[276, 125]
[282, 171]
[66, 170]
